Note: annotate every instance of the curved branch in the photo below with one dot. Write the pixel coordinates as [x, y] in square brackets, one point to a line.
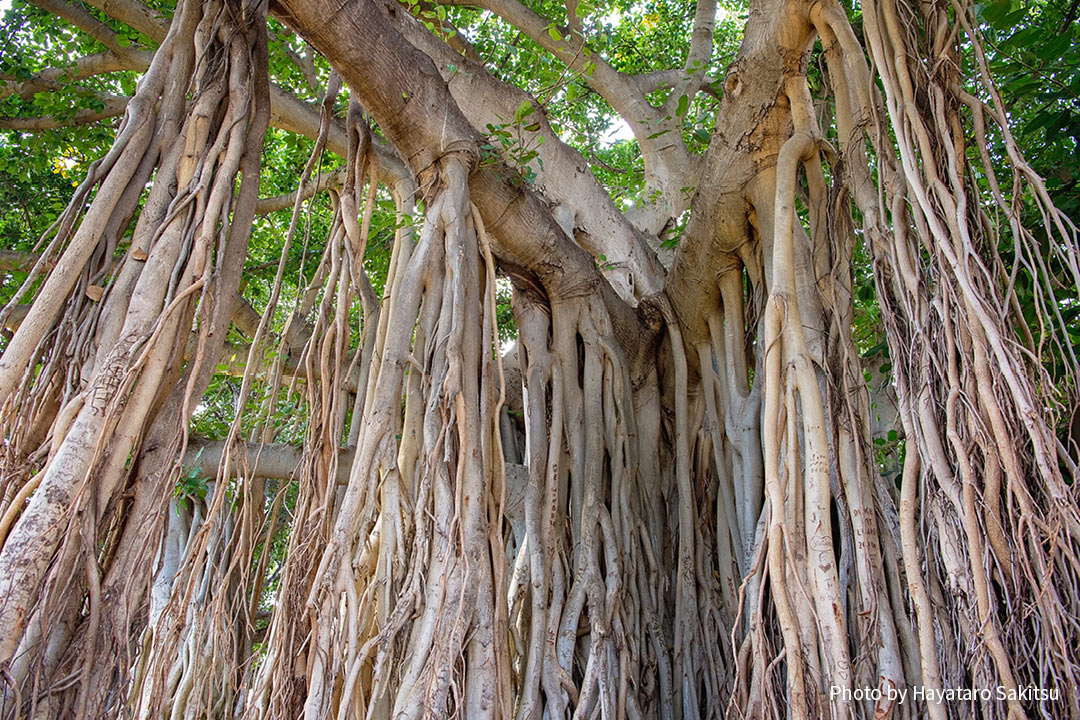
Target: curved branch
[653, 81]
[571, 49]
[587, 212]
[136, 15]
[55, 78]
[400, 87]
[92, 27]
[669, 167]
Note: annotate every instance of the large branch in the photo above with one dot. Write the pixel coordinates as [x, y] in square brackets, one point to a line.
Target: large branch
[752, 122]
[669, 167]
[136, 15]
[562, 175]
[403, 91]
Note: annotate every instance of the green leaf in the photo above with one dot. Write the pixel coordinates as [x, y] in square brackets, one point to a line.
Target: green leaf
[1054, 49]
[524, 110]
[1041, 120]
[684, 105]
[554, 33]
[1025, 37]
[1012, 18]
[995, 12]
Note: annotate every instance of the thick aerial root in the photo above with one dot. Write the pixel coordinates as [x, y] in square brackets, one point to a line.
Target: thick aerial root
[998, 517]
[184, 253]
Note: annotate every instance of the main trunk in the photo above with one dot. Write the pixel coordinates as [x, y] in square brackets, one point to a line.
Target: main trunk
[657, 505]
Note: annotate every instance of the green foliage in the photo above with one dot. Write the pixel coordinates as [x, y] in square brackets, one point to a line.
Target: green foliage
[632, 37]
[191, 484]
[505, 142]
[1033, 51]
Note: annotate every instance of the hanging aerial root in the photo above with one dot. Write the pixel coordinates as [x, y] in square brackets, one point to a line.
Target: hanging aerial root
[58, 555]
[972, 376]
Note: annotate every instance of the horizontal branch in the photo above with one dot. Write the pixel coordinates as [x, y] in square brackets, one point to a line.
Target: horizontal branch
[114, 107]
[278, 461]
[15, 261]
[281, 461]
[56, 78]
[322, 181]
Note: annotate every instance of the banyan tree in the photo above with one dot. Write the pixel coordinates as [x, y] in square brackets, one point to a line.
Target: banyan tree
[512, 425]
